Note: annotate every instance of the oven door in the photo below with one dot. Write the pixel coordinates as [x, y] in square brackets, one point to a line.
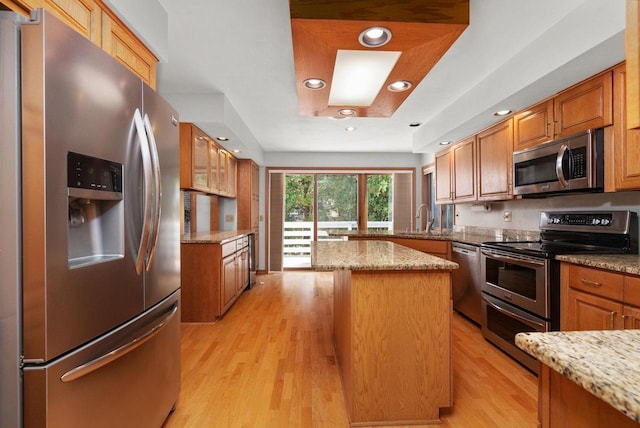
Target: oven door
[502, 321]
[518, 279]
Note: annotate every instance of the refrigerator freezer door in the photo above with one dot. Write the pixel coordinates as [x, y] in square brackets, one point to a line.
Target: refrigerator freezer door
[163, 275]
[76, 98]
[10, 261]
[138, 389]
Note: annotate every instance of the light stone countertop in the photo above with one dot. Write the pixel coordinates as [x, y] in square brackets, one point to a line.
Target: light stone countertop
[475, 236]
[372, 255]
[213, 237]
[625, 263]
[606, 363]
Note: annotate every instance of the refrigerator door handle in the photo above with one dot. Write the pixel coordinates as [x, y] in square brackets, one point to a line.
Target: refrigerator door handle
[119, 352]
[155, 163]
[148, 171]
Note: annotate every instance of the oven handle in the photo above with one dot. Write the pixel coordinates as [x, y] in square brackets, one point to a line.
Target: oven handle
[532, 323]
[514, 260]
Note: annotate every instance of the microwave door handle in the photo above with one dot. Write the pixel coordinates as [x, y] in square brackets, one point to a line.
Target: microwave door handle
[147, 171]
[561, 154]
[155, 163]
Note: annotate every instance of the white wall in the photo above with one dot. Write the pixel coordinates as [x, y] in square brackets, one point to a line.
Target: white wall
[525, 213]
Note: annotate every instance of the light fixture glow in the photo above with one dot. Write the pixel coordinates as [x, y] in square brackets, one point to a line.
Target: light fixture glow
[314, 83]
[399, 86]
[222, 139]
[350, 128]
[415, 124]
[347, 112]
[502, 112]
[374, 37]
[445, 143]
[359, 75]
[236, 150]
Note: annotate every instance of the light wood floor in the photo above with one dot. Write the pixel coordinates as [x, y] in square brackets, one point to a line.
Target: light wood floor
[270, 363]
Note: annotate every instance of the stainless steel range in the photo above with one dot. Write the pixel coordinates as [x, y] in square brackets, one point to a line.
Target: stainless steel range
[521, 287]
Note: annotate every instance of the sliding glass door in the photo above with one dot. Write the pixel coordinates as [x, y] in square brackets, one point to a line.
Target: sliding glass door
[306, 207]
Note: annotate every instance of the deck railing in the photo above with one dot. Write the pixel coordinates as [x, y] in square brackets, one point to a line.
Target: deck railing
[299, 234]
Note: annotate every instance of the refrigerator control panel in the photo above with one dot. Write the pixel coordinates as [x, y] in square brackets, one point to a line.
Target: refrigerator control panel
[86, 172]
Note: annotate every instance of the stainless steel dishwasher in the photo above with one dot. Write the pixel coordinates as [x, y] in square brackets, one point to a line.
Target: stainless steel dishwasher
[467, 281]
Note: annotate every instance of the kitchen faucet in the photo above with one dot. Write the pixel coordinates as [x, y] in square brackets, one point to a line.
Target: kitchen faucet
[429, 221]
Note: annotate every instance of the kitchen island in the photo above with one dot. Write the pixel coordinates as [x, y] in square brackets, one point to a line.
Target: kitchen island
[392, 330]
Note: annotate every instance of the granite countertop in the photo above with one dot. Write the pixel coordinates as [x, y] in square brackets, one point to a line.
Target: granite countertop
[606, 363]
[213, 236]
[475, 236]
[625, 263]
[372, 255]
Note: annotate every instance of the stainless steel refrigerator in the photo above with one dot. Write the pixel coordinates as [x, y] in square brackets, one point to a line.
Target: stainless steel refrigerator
[89, 235]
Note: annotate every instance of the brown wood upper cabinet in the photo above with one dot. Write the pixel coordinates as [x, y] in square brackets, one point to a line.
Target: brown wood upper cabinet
[95, 21]
[632, 50]
[205, 166]
[444, 176]
[586, 105]
[626, 142]
[464, 171]
[495, 162]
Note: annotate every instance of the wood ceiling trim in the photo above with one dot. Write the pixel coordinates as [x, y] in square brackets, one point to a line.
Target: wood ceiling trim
[432, 11]
[316, 42]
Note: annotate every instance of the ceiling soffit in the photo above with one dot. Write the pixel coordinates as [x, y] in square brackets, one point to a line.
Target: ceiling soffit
[422, 33]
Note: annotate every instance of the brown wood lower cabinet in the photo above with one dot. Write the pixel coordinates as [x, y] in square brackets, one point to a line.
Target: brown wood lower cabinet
[213, 276]
[595, 299]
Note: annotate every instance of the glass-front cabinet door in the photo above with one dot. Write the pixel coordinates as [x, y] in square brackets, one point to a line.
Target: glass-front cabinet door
[222, 171]
[201, 162]
[213, 170]
[231, 175]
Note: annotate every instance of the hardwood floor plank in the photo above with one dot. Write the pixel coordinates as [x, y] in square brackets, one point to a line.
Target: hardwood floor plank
[269, 362]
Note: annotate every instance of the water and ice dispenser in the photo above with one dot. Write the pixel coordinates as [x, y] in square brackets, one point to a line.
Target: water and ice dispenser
[95, 227]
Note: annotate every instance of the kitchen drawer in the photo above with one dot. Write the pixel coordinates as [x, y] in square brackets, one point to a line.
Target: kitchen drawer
[229, 248]
[632, 290]
[243, 242]
[594, 281]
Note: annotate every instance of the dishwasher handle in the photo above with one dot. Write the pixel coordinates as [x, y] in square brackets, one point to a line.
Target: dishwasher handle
[463, 250]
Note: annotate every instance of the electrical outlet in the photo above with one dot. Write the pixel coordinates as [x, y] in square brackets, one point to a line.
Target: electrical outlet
[228, 218]
[506, 216]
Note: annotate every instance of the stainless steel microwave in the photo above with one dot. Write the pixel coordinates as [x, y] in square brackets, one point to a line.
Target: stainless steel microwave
[571, 164]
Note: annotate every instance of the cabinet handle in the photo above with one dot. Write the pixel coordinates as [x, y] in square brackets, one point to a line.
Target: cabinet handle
[613, 319]
[591, 283]
[624, 321]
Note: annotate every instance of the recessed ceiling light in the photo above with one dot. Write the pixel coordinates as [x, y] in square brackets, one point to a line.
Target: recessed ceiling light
[350, 128]
[399, 86]
[445, 143]
[222, 139]
[347, 112]
[502, 112]
[414, 124]
[374, 37]
[314, 83]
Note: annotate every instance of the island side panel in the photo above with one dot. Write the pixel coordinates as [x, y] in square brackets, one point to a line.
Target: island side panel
[342, 332]
[401, 362]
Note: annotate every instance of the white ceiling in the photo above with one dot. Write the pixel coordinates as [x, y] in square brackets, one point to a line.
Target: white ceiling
[229, 69]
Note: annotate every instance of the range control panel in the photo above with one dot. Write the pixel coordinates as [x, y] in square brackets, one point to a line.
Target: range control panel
[589, 221]
[86, 172]
[601, 219]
